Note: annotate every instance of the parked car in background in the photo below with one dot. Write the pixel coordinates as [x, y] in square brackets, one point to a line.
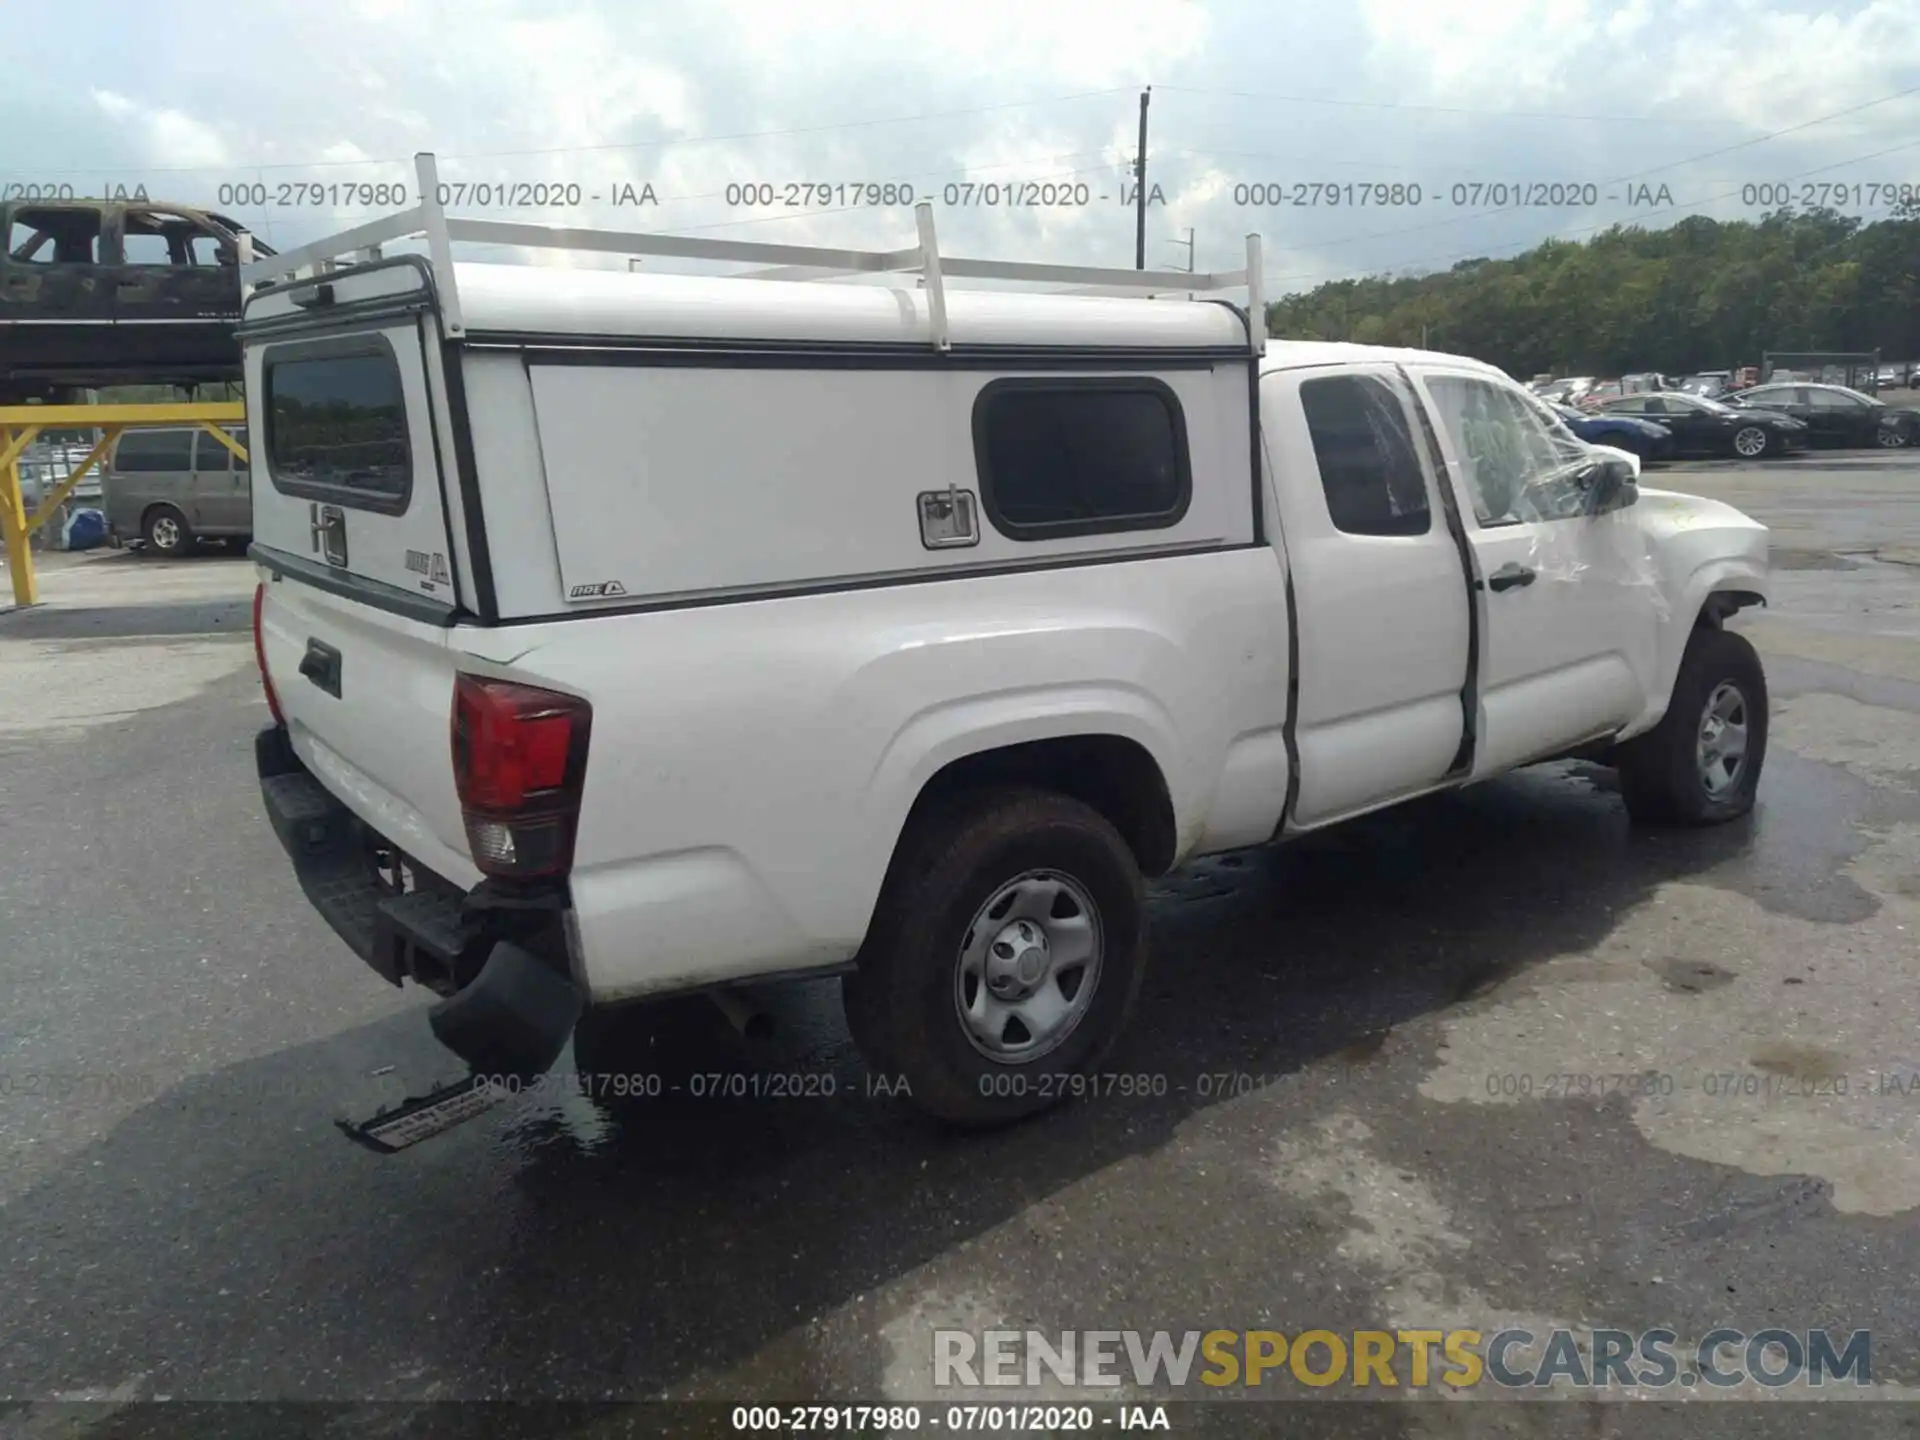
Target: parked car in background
[1635, 434]
[96, 292]
[1710, 427]
[168, 489]
[1564, 390]
[1835, 415]
[1599, 393]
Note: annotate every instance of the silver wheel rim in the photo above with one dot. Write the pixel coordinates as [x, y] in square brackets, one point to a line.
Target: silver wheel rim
[1028, 967]
[1750, 442]
[166, 532]
[1720, 752]
[1892, 439]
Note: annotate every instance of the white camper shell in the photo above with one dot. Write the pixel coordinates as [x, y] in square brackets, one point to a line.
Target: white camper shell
[629, 633]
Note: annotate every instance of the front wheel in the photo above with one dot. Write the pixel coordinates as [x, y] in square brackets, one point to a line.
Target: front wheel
[1701, 764]
[1750, 442]
[1004, 957]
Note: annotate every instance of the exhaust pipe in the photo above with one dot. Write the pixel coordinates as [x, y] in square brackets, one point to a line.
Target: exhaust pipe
[743, 1012]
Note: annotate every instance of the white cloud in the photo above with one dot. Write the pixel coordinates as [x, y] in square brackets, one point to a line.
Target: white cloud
[164, 137]
[113, 104]
[694, 98]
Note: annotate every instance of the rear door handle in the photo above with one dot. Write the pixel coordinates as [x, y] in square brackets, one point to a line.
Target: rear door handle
[321, 665]
[1508, 576]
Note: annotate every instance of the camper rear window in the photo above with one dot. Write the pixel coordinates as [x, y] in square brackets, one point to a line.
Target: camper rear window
[337, 424]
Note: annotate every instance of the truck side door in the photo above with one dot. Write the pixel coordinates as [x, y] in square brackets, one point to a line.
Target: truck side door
[1569, 607]
[50, 265]
[1380, 592]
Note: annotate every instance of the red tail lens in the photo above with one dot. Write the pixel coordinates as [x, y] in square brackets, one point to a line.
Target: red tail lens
[260, 655]
[519, 758]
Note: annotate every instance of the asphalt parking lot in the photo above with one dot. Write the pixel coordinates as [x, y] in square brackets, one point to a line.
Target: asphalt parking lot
[1389, 1067]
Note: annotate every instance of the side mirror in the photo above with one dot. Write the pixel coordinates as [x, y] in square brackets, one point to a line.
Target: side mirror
[1610, 485]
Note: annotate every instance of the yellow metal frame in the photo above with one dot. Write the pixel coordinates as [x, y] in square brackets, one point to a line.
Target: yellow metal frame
[20, 426]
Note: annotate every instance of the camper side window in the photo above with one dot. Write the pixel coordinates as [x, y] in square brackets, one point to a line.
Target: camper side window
[1061, 457]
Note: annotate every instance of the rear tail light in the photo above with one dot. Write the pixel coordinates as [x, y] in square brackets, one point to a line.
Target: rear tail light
[260, 655]
[519, 760]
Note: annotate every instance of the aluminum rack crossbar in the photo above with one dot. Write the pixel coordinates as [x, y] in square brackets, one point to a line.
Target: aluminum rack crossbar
[788, 262]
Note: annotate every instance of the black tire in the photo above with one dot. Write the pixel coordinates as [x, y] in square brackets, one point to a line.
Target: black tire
[902, 1000]
[1661, 776]
[167, 532]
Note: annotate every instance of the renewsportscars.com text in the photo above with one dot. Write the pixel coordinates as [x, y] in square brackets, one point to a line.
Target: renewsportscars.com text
[1458, 1359]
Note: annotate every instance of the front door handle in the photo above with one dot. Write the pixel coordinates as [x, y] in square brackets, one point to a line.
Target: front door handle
[1510, 575]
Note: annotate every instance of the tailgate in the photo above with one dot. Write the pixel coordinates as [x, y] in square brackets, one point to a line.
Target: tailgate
[368, 701]
[351, 531]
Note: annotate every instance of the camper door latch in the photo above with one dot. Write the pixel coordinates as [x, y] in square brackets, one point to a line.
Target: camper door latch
[948, 518]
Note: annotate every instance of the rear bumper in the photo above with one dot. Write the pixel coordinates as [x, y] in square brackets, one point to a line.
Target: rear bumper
[509, 1003]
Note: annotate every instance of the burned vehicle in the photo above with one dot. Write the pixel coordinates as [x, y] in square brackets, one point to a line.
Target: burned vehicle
[100, 292]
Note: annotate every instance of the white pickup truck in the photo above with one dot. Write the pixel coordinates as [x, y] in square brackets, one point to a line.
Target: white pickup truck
[633, 633]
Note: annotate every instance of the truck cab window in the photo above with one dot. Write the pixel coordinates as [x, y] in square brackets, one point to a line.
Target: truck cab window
[1510, 461]
[54, 237]
[155, 237]
[1369, 466]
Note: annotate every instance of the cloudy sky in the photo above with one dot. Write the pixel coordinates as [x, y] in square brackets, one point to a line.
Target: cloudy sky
[1466, 106]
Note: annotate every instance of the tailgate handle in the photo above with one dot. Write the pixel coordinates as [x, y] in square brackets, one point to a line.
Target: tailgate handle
[321, 665]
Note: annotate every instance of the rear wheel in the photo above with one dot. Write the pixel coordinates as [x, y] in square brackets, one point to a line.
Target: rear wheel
[1004, 957]
[1701, 764]
[1894, 437]
[167, 532]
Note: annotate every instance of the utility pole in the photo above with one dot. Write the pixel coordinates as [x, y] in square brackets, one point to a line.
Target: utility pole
[1140, 192]
[1188, 242]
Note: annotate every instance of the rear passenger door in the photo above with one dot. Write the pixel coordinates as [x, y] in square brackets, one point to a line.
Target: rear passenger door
[1380, 590]
[219, 490]
[52, 268]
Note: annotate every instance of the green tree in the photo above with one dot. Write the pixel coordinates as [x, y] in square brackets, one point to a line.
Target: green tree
[1701, 294]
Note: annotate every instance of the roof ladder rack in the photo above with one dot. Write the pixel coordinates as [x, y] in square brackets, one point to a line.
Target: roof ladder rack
[788, 262]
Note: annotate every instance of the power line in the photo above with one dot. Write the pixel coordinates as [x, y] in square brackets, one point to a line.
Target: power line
[1770, 135]
[1449, 109]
